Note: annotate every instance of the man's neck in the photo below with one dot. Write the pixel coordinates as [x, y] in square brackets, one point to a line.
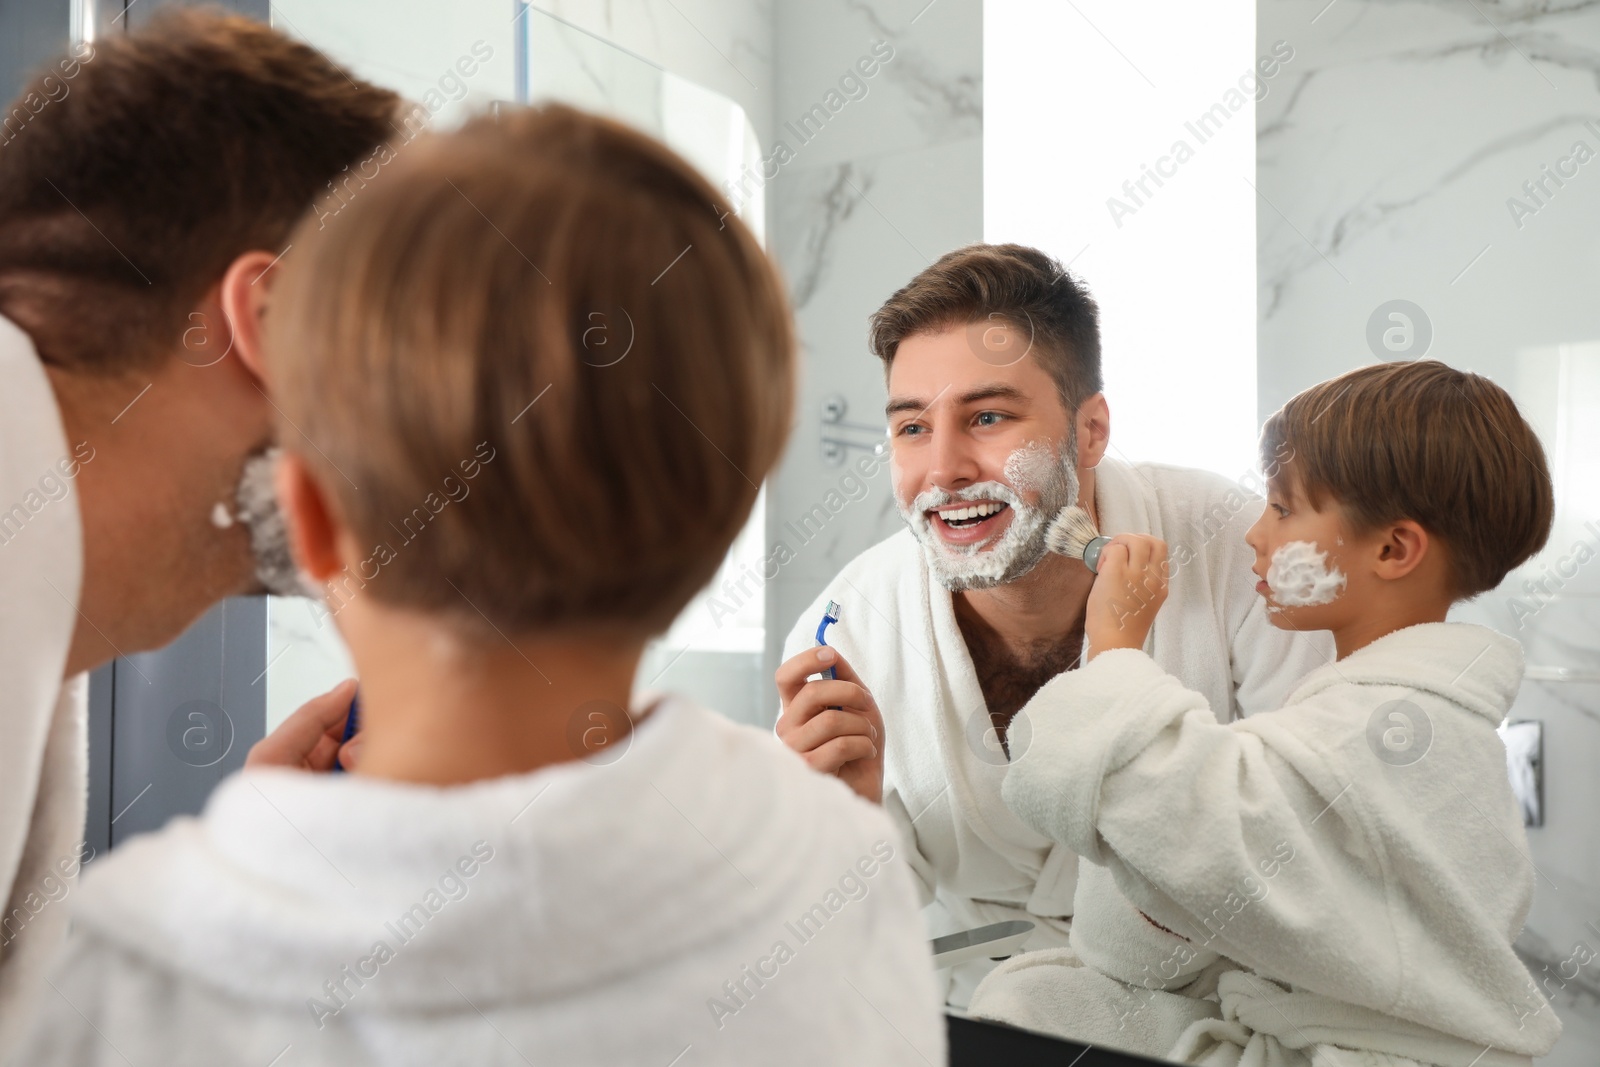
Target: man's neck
[1042, 607]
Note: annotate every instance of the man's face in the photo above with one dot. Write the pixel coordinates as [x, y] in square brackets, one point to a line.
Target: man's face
[984, 452]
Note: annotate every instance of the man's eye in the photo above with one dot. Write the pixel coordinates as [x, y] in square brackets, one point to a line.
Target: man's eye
[993, 416]
[910, 429]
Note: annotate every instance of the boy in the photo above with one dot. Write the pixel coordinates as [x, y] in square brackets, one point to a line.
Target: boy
[1340, 881]
[518, 870]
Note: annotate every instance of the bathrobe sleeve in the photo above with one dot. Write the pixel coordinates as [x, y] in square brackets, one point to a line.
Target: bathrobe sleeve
[1248, 848]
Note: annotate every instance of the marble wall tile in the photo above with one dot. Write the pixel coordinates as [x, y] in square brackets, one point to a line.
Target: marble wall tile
[1386, 170]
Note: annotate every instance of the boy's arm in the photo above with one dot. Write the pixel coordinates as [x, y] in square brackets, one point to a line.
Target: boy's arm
[1248, 851]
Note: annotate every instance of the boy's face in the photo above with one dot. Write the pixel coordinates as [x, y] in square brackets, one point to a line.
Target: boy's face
[983, 452]
[1304, 557]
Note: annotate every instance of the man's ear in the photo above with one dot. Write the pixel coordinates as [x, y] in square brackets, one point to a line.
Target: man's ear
[1094, 430]
[313, 531]
[1401, 548]
[243, 295]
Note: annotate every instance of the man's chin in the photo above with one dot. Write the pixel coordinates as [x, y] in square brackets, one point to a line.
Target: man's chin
[975, 570]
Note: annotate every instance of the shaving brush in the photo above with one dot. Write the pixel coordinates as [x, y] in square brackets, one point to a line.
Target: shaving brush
[1072, 534]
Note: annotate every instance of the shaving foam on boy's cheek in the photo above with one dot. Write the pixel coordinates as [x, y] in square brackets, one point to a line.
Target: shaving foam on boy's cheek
[1300, 576]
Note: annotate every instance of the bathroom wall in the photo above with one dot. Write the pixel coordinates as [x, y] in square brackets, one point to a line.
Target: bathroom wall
[1442, 154]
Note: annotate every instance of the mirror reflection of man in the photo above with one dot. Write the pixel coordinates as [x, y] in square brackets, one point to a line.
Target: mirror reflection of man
[997, 420]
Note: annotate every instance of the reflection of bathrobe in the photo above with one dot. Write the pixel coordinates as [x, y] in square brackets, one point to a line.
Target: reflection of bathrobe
[43, 761]
[1357, 854]
[978, 862]
[617, 914]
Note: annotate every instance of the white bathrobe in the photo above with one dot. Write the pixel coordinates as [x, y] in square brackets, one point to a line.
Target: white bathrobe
[977, 862]
[43, 759]
[1357, 855]
[702, 898]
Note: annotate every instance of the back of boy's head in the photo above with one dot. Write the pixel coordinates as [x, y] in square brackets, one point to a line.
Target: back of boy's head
[1422, 441]
[571, 299]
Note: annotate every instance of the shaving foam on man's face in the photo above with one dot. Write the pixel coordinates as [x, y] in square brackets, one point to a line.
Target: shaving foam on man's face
[984, 452]
[258, 509]
[992, 532]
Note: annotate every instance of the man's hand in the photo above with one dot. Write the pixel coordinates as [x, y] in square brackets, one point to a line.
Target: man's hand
[1129, 590]
[834, 724]
[311, 737]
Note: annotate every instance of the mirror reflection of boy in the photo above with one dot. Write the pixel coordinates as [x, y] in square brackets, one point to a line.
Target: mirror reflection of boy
[1345, 873]
[542, 342]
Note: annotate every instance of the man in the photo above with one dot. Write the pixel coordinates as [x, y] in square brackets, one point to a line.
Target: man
[997, 421]
[142, 207]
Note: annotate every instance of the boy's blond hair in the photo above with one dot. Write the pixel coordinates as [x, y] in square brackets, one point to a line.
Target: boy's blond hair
[542, 364]
[1422, 441]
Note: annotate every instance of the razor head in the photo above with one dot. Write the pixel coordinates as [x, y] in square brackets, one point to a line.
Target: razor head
[832, 610]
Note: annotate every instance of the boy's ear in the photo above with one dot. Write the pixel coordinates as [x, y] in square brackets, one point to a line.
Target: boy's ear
[1401, 549]
[243, 295]
[313, 531]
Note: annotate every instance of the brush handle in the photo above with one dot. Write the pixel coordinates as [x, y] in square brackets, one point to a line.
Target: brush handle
[1091, 553]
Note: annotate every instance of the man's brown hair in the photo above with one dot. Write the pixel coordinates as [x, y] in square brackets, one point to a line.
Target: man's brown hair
[544, 350]
[1423, 441]
[1014, 284]
[154, 160]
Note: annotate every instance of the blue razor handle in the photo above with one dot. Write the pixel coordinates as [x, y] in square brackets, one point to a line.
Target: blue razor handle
[829, 615]
[352, 723]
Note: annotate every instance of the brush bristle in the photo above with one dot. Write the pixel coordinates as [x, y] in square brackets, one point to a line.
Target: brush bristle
[1071, 532]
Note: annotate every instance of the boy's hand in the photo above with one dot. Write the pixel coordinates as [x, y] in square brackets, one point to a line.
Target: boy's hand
[835, 725]
[311, 737]
[1129, 590]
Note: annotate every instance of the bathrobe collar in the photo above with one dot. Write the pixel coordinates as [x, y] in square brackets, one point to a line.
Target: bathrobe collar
[1469, 665]
[591, 872]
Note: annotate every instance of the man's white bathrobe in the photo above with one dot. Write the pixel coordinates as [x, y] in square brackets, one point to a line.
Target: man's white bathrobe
[43, 758]
[976, 862]
[701, 898]
[1352, 868]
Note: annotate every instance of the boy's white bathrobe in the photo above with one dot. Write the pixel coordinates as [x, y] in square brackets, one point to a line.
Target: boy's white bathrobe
[43, 758]
[977, 862]
[702, 898]
[1352, 868]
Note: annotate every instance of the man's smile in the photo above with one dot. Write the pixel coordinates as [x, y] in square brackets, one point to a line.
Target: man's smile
[968, 522]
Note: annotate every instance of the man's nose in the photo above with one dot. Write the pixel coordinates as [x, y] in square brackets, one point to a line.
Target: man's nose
[955, 462]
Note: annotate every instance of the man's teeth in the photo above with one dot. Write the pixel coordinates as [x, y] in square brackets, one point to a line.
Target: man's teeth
[976, 511]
